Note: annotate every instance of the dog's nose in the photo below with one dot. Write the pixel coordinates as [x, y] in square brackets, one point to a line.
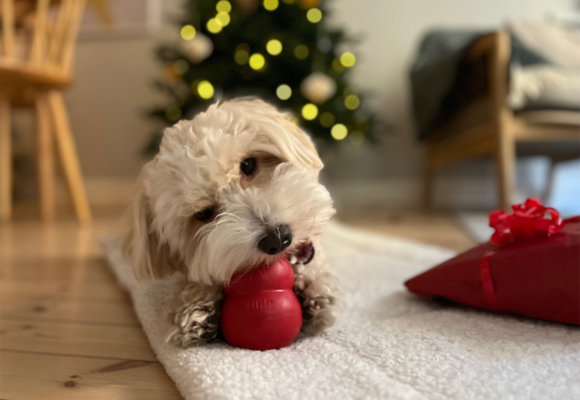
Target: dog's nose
[276, 240]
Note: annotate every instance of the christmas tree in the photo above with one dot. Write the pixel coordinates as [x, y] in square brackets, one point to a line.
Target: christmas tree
[281, 51]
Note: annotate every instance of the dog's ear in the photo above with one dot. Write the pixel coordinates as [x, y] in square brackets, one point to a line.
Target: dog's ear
[148, 256]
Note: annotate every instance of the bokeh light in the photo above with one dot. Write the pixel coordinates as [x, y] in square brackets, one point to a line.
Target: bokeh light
[214, 26]
[337, 66]
[173, 113]
[283, 92]
[351, 102]
[327, 119]
[314, 15]
[223, 18]
[257, 61]
[339, 131]
[223, 6]
[188, 32]
[357, 138]
[274, 47]
[205, 90]
[301, 52]
[271, 5]
[347, 59]
[309, 111]
[242, 54]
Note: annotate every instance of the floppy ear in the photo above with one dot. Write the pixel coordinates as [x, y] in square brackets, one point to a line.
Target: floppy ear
[148, 256]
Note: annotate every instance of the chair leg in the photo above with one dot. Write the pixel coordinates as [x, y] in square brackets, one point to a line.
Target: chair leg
[5, 161]
[427, 185]
[505, 159]
[549, 188]
[45, 158]
[68, 155]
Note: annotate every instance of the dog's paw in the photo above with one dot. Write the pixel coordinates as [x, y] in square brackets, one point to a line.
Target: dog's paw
[194, 325]
[317, 313]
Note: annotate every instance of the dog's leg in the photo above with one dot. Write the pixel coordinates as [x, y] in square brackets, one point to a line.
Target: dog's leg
[197, 316]
[315, 288]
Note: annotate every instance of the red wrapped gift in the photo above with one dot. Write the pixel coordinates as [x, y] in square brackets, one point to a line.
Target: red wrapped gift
[530, 267]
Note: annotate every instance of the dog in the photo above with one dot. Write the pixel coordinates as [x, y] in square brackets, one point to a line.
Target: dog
[235, 187]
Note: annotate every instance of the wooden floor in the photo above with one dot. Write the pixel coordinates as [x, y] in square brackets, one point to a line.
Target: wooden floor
[67, 331]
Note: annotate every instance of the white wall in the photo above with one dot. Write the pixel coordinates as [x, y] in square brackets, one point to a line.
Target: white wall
[114, 88]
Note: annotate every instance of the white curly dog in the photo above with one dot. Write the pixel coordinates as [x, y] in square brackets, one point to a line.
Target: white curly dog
[233, 188]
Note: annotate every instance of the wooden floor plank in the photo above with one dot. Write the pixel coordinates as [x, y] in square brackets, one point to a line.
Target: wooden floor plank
[126, 342]
[39, 376]
[74, 289]
[67, 310]
[94, 269]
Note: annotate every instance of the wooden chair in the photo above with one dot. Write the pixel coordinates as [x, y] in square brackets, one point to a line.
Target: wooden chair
[36, 77]
[491, 128]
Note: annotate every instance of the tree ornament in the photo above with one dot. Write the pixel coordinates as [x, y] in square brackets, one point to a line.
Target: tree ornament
[308, 4]
[197, 49]
[248, 6]
[318, 87]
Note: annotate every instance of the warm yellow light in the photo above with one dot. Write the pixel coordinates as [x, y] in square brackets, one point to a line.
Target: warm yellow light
[205, 90]
[327, 119]
[301, 52]
[314, 15]
[257, 61]
[274, 47]
[173, 113]
[351, 102]
[214, 26]
[309, 111]
[357, 138]
[242, 57]
[188, 32]
[283, 92]
[223, 6]
[337, 66]
[181, 66]
[223, 18]
[347, 59]
[271, 5]
[339, 131]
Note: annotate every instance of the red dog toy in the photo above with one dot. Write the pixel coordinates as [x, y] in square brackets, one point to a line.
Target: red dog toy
[260, 311]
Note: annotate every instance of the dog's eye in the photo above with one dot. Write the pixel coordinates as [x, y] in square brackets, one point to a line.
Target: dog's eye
[204, 215]
[248, 166]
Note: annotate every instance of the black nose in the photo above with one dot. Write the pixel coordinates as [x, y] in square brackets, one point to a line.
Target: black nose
[276, 240]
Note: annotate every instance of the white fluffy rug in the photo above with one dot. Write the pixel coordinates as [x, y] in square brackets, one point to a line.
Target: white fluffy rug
[387, 343]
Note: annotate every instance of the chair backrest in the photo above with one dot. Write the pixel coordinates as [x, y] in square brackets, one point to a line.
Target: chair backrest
[49, 43]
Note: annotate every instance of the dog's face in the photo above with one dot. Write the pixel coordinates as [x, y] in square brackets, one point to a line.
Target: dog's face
[232, 188]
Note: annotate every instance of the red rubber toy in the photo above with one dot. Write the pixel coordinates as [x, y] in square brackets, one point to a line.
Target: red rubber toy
[260, 311]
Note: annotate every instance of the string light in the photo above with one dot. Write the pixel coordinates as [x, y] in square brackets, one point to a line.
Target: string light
[214, 26]
[283, 92]
[309, 111]
[181, 66]
[242, 54]
[173, 113]
[337, 66]
[223, 6]
[223, 18]
[347, 59]
[314, 15]
[357, 138]
[271, 5]
[339, 131]
[257, 61]
[188, 32]
[351, 102]
[205, 90]
[301, 52]
[327, 119]
[274, 47]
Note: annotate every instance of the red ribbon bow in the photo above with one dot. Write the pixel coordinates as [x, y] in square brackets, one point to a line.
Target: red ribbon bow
[528, 220]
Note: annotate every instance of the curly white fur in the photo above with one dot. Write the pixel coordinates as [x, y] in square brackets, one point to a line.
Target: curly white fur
[198, 167]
